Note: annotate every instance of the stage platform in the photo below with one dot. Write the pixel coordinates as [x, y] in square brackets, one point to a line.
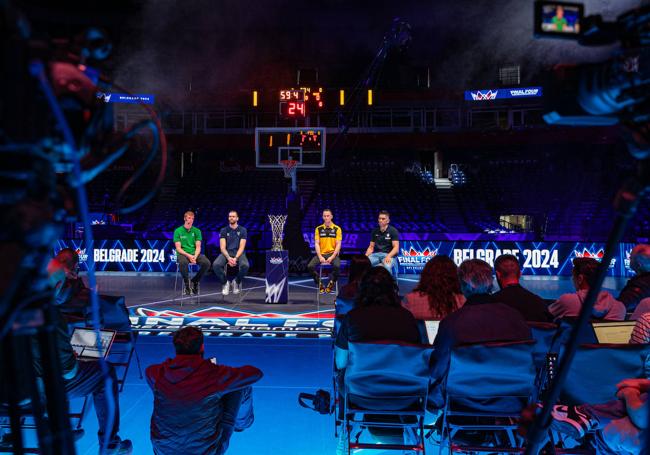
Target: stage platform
[156, 308]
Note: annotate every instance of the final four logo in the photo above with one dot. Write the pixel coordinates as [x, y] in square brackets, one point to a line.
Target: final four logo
[482, 95]
[83, 257]
[416, 258]
[597, 255]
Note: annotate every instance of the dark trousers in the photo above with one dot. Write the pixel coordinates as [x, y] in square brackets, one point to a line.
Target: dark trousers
[237, 415]
[336, 267]
[89, 379]
[184, 267]
[221, 261]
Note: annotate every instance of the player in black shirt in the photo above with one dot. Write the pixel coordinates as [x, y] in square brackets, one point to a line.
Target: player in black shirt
[384, 244]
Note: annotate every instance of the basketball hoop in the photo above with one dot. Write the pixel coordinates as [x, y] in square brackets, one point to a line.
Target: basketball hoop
[289, 167]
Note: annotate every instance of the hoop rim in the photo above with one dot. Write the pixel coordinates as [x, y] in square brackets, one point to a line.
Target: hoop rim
[288, 164]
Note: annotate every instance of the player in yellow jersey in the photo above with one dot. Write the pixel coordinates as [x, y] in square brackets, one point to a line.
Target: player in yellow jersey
[327, 243]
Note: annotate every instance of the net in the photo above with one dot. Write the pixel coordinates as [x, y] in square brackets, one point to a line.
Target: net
[289, 167]
[277, 230]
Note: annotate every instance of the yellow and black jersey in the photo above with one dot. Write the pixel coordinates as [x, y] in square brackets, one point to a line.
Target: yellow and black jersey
[327, 237]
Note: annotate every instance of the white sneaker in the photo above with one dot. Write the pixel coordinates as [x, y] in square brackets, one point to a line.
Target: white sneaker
[225, 290]
[236, 287]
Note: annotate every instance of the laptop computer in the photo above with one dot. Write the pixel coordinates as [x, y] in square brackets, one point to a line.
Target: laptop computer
[613, 332]
[84, 343]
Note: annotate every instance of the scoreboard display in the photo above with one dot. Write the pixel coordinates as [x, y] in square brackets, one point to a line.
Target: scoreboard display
[292, 103]
[297, 103]
[303, 144]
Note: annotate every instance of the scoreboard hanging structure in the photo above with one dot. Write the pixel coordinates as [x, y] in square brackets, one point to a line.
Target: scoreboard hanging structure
[303, 144]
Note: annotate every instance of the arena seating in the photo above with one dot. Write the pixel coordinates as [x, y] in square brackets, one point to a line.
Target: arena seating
[359, 190]
[563, 202]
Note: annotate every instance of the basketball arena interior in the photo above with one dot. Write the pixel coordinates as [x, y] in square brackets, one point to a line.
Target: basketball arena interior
[223, 188]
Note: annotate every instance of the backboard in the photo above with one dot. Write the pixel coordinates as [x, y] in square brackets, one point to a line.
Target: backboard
[303, 144]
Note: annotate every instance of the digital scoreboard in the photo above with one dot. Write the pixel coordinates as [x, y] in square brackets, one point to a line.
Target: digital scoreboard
[305, 145]
[297, 103]
[292, 103]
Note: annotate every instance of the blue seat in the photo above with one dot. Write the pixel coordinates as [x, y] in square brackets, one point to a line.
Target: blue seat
[386, 378]
[597, 368]
[493, 382]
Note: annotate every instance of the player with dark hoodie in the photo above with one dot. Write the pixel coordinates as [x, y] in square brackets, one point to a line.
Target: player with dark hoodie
[198, 403]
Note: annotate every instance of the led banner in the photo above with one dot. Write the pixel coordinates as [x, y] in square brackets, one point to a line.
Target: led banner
[125, 255]
[226, 322]
[535, 258]
[503, 93]
[125, 98]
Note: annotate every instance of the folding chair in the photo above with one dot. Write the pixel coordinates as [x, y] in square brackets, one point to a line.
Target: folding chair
[614, 362]
[29, 421]
[386, 378]
[113, 315]
[122, 350]
[545, 351]
[487, 387]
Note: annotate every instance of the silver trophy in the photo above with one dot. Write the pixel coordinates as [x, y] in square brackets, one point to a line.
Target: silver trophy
[277, 230]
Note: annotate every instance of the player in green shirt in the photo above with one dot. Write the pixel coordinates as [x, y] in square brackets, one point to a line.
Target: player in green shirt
[559, 21]
[187, 240]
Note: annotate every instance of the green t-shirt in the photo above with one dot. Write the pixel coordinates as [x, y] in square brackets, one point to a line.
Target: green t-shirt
[559, 23]
[187, 238]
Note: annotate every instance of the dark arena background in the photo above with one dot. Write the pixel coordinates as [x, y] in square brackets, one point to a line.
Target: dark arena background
[483, 128]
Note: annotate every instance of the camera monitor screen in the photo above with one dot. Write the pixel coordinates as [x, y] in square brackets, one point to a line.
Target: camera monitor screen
[558, 19]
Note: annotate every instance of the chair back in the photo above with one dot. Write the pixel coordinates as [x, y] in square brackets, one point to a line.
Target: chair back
[544, 333]
[597, 368]
[490, 378]
[387, 375]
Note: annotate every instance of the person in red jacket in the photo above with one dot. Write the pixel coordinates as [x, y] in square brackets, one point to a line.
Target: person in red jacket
[197, 402]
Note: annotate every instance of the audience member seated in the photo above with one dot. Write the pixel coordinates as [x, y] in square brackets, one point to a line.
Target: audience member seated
[618, 424]
[641, 331]
[642, 308]
[568, 305]
[531, 306]
[641, 335]
[82, 378]
[637, 287]
[198, 403]
[480, 320]
[359, 265]
[377, 315]
[71, 293]
[438, 292]
[73, 297]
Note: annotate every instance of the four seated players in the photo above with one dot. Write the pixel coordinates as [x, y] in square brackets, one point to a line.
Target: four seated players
[383, 248]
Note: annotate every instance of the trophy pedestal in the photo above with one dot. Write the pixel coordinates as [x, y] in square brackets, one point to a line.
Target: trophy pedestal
[277, 276]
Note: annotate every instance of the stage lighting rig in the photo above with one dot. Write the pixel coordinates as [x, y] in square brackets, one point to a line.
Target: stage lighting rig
[616, 91]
